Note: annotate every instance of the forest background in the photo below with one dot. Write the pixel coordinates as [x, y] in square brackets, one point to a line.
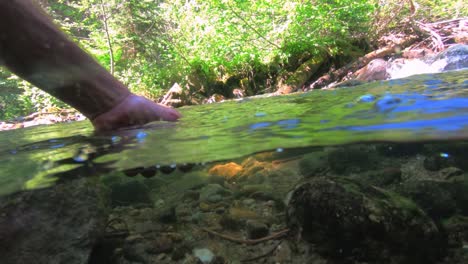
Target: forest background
[214, 47]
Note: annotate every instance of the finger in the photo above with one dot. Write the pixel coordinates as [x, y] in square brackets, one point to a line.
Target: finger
[166, 113]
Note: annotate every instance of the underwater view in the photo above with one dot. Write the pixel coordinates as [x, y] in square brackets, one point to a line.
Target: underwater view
[375, 173]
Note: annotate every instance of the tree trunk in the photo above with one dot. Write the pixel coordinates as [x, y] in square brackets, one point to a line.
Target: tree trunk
[108, 38]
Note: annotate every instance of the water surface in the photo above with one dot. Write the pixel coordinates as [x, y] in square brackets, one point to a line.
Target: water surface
[430, 107]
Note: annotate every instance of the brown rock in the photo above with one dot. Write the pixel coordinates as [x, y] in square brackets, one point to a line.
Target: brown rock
[256, 229]
[163, 244]
[415, 53]
[375, 70]
[243, 213]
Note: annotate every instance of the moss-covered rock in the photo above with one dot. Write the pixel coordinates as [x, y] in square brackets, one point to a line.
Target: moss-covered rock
[130, 193]
[352, 159]
[461, 193]
[436, 198]
[457, 229]
[347, 221]
[381, 178]
[436, 161]
[313, 163]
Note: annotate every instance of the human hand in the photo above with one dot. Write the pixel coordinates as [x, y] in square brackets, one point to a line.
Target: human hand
[133, 111]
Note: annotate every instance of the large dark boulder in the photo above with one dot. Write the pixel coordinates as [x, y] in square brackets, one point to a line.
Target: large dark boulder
[350, 222]
[55, 225]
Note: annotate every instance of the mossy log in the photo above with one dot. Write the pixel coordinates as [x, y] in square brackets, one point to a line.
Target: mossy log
[302, 74]
[361, 62]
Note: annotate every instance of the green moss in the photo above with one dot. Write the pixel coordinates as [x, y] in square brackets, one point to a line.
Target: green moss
[405, 206]
[455, 221]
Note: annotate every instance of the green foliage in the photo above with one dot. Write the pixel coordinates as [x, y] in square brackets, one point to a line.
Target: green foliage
[9, 93]
[19, 98]
[220, 39]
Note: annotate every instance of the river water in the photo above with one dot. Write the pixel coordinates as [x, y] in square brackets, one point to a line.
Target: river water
[428, 109]
[419, 108]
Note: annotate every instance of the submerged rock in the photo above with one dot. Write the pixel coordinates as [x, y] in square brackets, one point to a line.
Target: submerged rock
[437, 162]
[130, 193]
[212, 193]
[313, 163]
[436, 198]
[440, 156]
[381, 178]
[135, 250]
[457, 227]
[352, 159]
[461, 193]
[226, 171]
[347, 221]
[60, 224]
[256, 229]
[204, 255]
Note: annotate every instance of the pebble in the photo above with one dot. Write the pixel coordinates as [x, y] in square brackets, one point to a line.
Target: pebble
[168, 216]
[134, 212]
[256, 229]
[163, 244]
[449, 173]
[242, 213]
[134, 238]
[135, 252]
[197, 217]
[159, 203]
[212, 193]
[230, 223]
[283, 253]
[183, 210]
[204, 255]
[144, 227]
[248, 202]
[179, 252]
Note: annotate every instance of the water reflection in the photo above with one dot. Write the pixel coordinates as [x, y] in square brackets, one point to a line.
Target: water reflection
[88, 159]
[439, 125]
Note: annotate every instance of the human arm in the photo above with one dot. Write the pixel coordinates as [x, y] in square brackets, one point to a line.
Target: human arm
[35, 49]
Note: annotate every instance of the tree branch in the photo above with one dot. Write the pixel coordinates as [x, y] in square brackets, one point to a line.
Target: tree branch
[108, 38]
[251, 27]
